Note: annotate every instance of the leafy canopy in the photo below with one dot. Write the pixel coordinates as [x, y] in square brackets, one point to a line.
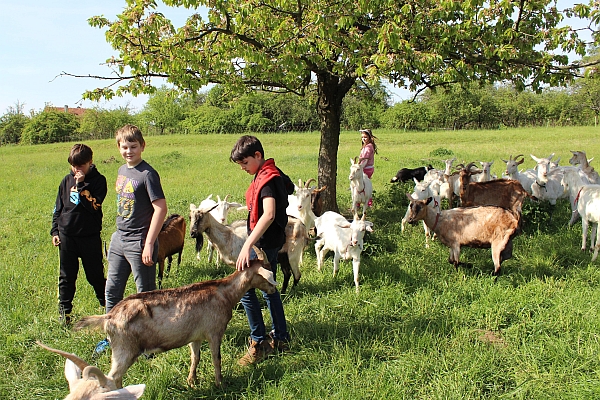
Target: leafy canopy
[283, 44]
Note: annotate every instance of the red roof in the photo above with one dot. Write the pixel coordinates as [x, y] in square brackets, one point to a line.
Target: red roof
[71, 110]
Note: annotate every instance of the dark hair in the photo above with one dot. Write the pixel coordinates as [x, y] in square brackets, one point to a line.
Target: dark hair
[80, 154]
[371, 138]
[246, 146]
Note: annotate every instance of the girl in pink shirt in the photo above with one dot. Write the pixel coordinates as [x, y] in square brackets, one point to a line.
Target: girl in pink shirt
[368, 151]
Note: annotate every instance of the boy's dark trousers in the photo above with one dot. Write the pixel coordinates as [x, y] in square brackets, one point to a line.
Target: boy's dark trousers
[89, 249]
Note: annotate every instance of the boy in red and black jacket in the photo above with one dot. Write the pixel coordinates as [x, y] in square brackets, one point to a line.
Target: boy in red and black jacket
[266, 199]
[76, 227]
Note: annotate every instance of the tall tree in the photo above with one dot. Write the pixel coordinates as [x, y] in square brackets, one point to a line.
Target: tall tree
[284, 45]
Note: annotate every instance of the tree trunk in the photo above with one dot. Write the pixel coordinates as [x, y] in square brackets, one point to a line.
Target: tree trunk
[331, 92]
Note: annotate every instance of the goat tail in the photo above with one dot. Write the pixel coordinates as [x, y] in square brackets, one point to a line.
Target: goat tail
[93, 322]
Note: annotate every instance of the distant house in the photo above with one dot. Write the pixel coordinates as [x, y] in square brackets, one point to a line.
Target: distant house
[71, 110]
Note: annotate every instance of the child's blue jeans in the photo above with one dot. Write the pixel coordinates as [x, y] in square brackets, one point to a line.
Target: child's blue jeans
[254, 313]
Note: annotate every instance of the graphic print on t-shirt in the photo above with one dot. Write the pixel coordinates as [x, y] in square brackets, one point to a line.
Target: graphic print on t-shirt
[74, 195]
[125, 196]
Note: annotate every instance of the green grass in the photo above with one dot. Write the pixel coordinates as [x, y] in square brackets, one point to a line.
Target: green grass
[417, 329]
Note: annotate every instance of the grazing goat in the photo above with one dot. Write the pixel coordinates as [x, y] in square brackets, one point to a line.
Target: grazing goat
[300, 204]
[220, 212]
[526, 178]
[171, 239]
[229, 240]
[361, 186]
[585, 200]
[504, 193]
[92, 383]
[407, 174]
[161, 320]
[478, 227]
[345, 239]
[580, 158]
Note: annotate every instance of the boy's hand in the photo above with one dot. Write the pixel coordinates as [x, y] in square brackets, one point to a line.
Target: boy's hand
[147, 255]
[243, 260]
[79, 177]
[55, 240]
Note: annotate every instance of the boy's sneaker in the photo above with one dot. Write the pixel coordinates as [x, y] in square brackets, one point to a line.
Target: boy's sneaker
[102, 346]
[64, 319]
[257, 352]
[280, 346]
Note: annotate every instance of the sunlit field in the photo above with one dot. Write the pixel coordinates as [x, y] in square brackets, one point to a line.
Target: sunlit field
[418, 328]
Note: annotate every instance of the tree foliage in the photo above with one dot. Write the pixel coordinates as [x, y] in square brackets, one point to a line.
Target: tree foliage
[12, 124]
[50, 126]
[285, 45]
[98, 123]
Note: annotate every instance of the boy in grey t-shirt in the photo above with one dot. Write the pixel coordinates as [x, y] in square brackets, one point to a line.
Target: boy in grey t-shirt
[141, 210]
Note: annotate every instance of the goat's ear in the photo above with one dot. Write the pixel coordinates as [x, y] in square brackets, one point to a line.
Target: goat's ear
[236, 205]
[192, 207]
[268, 275]
[504, 161]
[416, 181]
[537, 160]
[72, 373]
[242, 208]
[130, 392]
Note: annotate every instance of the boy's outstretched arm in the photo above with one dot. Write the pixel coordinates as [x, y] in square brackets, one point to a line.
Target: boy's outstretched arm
[262, 224]
[160, 211]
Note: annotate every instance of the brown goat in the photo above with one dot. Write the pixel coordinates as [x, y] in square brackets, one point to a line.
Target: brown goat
[161, 320]
[171, 239]
[505, 193]
[479, 227]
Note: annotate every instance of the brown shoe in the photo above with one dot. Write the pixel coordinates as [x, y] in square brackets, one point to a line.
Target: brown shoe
[257, 352]
[277, 345]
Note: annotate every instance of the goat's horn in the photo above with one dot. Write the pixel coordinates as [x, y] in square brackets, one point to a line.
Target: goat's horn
[226, 197]
[299, 183]
[317, 190]
[92, 370]
[308, 182]
[76, 360]
[363, 217]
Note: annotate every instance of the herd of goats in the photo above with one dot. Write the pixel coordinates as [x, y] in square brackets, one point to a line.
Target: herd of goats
[488, 216]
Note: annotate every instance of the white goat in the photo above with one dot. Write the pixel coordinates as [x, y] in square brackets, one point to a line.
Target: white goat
[480, 227]
[527, 178]
[345, 239]
[299, 204]
[486, 174]
[229, 240]
[422, 191]
[92, 384]
[361, 186]
[585, 200]
[220, 213]
[580, 158]
[161, 320]
[547, 185]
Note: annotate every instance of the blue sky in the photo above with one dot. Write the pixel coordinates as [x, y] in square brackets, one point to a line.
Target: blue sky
[39, 39]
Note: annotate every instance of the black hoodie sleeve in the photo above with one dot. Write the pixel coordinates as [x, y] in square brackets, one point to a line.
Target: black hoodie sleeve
[58, 206]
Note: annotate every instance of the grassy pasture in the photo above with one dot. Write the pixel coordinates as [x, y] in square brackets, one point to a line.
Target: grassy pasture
[417, 329]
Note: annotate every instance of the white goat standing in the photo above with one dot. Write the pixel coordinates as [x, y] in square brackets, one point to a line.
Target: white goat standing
[345, 239]
[361, 186]
[527, 178]
[586, 202]
[92, 384]
[220, 213]
[299, 204]
[547, 185]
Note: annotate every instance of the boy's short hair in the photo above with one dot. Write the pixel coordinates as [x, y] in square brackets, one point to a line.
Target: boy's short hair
[130, 133]
[80, 154]
[246, 146]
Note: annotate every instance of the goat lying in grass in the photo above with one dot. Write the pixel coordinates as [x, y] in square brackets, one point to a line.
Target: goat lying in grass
[161, 320]
[92, 383]
[479, 227]
[171, 239]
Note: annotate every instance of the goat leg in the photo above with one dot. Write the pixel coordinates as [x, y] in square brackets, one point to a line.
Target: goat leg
[194, 360]
[286, 269]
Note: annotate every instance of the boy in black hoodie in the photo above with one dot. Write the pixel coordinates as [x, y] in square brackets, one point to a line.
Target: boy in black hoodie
[76, 226]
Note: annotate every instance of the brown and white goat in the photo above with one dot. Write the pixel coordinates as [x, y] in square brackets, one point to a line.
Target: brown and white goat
[229, 240]
[89, 382]
[505, 193]
[161, 320]
[171, 239]
[479, 227]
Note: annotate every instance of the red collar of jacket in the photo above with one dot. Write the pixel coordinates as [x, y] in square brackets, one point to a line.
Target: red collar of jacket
[267, 172]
